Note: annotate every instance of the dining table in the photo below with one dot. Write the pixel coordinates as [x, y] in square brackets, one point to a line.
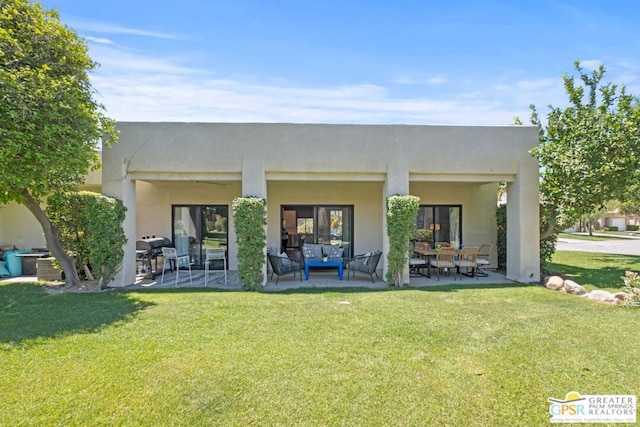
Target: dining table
[427, 253]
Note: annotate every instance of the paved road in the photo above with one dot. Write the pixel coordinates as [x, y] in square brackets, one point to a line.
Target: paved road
[614, 246]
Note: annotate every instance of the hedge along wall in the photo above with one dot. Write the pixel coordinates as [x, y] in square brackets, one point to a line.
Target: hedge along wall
[250, 220]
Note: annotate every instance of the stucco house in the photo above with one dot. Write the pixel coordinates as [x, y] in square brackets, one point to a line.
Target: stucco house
[321, 182]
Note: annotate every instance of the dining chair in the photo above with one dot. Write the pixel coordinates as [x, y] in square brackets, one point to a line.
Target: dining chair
[171, 255]
[467, 259]
[484, 252]
[444, 259]
[214, 254]
[416, 265]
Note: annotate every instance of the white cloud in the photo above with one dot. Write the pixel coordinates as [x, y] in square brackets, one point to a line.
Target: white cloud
[591, 64]
[413, 80]
[135, 87]
[99, 40]
[81, 24]
[118, 61]
[175, 98]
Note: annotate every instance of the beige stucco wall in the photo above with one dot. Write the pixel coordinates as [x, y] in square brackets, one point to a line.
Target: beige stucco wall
[216, 149]
[19, 228]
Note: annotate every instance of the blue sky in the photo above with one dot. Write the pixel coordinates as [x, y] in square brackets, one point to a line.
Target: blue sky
[400, 62]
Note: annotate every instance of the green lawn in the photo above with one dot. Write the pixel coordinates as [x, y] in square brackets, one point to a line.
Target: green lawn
[468, 355]
[587, 237]
[594, 270]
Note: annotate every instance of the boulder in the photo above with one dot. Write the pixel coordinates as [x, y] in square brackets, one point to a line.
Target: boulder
[622, 296]
[555, 283]
[573, 288]
[601, 296]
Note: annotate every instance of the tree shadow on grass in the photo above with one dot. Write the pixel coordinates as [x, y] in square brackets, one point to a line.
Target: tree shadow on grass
[607, 271]
[27, 312]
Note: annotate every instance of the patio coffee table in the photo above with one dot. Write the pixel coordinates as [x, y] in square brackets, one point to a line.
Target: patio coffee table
[322, 264]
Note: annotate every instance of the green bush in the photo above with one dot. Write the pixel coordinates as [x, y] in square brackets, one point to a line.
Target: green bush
[401, 226]
[250, 219]
[422, 235]
[632, 286]
[632, 227]
[548, 245]
[90, 227]
[501, 242]
[612, 228]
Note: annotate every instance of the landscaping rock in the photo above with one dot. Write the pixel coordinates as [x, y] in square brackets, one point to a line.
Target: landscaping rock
[600, 295]
[622, 296]
[573, 288]
[555, 283]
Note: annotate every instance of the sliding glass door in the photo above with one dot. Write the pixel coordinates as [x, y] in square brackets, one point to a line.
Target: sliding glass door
[197, 227]
[440, 224]
[318, 224]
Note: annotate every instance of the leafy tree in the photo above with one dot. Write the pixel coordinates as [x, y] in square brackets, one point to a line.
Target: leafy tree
[631, 205]
[589, 152]
[49, 122]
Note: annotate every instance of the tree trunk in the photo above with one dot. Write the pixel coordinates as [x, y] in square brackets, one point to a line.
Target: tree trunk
[53, 242]
[550, 231]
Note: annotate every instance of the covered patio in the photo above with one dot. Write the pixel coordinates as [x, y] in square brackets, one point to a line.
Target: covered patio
[318, 279]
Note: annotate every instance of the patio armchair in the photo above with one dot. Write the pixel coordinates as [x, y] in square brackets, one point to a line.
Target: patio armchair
[365, 263]
[281, 265]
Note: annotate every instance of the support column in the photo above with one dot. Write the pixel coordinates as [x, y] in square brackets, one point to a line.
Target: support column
[397, 183]
[253, 177]
[523, 225]
[124, 189]
[254, 184]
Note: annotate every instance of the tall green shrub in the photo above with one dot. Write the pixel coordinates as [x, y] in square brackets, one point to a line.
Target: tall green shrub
[548, 243]
[90, 227]
[501, 242]
[250, 219]
[401, 226]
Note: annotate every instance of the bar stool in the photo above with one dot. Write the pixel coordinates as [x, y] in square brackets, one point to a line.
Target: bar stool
[211, 254]
[171, 255]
